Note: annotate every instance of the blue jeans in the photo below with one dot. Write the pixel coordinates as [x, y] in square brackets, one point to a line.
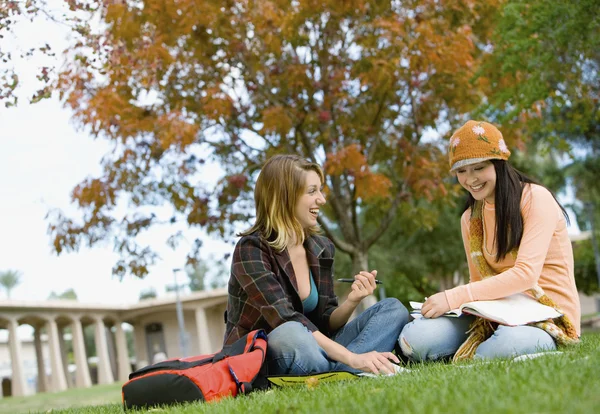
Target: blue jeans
[431, 339]
[292, 348]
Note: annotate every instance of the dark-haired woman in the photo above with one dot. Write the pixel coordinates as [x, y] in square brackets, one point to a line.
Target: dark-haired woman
[515, 236]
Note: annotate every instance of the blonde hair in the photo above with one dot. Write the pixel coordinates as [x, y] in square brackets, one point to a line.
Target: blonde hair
[280, 184]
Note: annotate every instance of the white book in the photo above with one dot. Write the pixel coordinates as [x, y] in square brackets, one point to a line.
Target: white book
[513, 310]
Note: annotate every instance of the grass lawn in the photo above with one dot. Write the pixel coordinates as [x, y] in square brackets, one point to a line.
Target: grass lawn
[566, 383]
[94, 398]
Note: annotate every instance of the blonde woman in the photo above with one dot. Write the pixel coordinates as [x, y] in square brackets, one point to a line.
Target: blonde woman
[282, 281]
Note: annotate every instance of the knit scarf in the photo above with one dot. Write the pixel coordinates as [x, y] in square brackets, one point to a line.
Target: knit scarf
[560, 329]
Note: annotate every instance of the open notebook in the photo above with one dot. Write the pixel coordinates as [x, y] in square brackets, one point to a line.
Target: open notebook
[514, 310]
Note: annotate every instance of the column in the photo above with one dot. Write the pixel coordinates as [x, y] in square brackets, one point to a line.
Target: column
[124, 367]
[139, 340]
[42, 380]
[105, 375]
[112, 350]
[63, 355]
[18, 377]
[82, 374]
[204, 344]
[59, 381]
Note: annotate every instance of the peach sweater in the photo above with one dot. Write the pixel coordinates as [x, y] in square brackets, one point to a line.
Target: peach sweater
[545, 257]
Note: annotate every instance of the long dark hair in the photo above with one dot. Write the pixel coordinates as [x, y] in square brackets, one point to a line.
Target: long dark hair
[509, 221]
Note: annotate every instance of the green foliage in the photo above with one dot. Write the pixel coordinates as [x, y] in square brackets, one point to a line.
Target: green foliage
[418, 260]
[584, 175]
[541, 165]
[9, 279]
[89, 339]
[67, 294]
[586, 276]
[543, 86]
[204, 274]
[196, 276]
[149, 293]
[130, 339]
[543, 73]
[415, 259]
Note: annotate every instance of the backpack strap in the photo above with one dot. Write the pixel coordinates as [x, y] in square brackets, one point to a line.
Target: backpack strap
[242, 386]
[242, 346]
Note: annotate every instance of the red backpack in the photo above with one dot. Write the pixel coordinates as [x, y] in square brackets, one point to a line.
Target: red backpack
[238, 368]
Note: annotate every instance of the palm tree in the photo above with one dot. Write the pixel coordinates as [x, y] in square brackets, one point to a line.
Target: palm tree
[9, 279]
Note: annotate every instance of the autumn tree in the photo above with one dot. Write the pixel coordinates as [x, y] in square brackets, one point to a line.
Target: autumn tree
[72, 14]
[362, 87]
[10, 13]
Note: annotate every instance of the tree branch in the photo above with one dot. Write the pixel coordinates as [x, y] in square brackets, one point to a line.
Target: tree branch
[354, 207]
[376, 137]
[341, 208]
[418, 129]
[305, 142]
[385, 223]
[339, 243]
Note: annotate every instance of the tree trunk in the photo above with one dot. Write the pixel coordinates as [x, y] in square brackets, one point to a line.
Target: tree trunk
[360, 261]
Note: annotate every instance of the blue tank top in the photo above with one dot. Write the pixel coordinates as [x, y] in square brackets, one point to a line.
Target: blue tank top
[310, 303]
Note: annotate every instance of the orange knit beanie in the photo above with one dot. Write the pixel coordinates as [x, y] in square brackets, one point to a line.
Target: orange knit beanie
[475, 142]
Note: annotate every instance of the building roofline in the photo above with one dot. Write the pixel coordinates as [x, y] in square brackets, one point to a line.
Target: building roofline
[74, 305]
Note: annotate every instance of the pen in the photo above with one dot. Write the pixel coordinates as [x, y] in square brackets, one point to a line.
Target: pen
[378, 282]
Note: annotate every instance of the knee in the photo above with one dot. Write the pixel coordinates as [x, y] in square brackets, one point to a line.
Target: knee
[409, 342]
[290, 336]
[294, 350]
[397, 310]
[430, 339]
[508, 342]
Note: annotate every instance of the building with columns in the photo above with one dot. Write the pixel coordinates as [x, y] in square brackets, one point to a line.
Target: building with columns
[155, 331]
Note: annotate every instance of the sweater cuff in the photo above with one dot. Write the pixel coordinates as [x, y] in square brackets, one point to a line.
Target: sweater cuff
[457, 296]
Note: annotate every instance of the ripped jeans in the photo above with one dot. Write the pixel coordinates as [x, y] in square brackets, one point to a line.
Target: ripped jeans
[432, 339]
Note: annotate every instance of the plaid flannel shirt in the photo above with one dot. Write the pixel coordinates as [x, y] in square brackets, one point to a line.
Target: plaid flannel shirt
[263, 291]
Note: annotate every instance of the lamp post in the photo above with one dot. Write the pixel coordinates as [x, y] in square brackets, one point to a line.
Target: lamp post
[180, 321]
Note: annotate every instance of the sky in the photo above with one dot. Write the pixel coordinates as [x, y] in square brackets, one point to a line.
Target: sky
[43, 156]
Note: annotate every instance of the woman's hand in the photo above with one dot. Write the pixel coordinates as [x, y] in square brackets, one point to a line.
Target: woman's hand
[435, 306]
[363, 286]
[375, 362]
